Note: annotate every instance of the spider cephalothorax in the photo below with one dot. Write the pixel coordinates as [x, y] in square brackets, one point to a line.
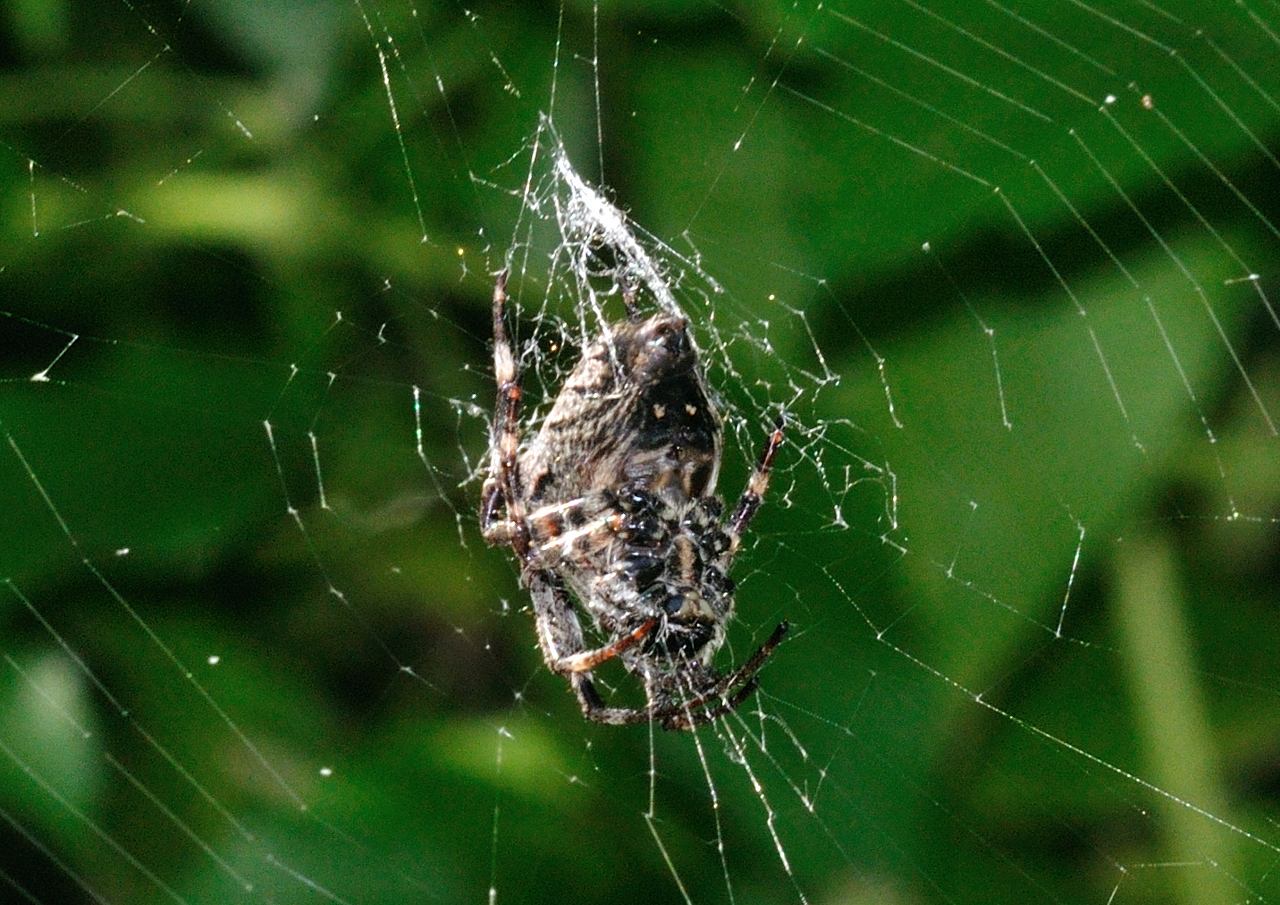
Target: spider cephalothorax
[612, 503]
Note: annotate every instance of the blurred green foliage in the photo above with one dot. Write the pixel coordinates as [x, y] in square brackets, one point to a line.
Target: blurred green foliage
[210, 216]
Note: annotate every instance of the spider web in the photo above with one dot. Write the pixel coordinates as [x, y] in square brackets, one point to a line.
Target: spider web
[1007, 270]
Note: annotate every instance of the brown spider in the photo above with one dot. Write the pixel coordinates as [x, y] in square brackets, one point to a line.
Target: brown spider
[613, 503]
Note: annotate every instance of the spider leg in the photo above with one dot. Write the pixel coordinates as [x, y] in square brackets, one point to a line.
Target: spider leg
[557, 529]
[687, 720]
[504, 468]
[690, 713]
[550, 529]
[753, 496]
[594, 709]
[587, 660]
[561, 641]
[629, 302]
[495, 531]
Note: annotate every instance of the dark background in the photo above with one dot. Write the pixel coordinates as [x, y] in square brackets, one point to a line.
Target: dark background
[200, 690]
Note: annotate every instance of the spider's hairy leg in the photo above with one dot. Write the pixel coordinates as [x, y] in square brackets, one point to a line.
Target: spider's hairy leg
[562, 644]
[686, 719]
[587, 660]
[692, 713]
[502, 486]
[753, 496]
[629, 302]
[496, 531]
[556, 528]
[594, 709]
[560, 633]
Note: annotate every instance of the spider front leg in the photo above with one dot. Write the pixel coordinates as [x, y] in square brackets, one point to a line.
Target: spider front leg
[501, 489]
[594, 709]
[690, 714]
[561, 641]
[753, 496]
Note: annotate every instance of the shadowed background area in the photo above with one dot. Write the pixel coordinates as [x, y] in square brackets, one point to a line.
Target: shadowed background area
[1010, 271]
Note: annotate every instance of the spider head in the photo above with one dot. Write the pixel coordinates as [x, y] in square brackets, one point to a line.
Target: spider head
[655, 348]
[694, 627]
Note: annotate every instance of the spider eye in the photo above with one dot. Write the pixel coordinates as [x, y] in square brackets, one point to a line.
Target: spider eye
[673, 604]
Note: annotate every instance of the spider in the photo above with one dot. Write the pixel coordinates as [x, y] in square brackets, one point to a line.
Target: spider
[613, 502]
